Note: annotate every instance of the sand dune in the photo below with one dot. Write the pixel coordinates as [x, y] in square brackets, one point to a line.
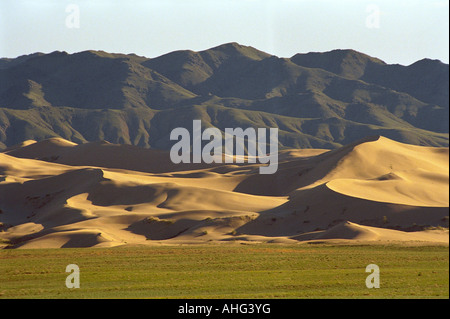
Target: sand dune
[100, 154]
[358, 233]
[392, 172]
[56, 193]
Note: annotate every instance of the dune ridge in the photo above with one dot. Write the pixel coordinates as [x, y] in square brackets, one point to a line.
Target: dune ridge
[56, 193]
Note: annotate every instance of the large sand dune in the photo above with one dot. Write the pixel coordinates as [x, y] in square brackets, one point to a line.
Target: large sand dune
[56, 193]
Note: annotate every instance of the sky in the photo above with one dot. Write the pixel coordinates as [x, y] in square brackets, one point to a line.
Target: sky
[395, 31]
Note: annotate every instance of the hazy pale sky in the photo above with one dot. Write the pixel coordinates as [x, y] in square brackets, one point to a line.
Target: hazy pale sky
[396, 31]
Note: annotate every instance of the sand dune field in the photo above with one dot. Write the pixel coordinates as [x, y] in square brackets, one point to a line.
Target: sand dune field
[55, 193]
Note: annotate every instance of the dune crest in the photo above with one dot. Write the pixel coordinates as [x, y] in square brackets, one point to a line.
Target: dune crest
[56, 193]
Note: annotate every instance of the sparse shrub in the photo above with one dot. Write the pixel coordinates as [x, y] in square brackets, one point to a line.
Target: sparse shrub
[435, 228]
[151, 219]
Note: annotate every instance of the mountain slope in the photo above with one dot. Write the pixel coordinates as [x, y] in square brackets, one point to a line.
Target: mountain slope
[426, 80]
[320, 100]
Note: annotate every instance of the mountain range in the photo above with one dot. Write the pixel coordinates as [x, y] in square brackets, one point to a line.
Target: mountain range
[316, 100]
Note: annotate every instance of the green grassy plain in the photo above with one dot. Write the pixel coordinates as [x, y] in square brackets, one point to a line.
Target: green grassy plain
[227, 271]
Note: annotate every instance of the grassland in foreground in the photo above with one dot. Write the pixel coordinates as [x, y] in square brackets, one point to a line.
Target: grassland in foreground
[227, 271]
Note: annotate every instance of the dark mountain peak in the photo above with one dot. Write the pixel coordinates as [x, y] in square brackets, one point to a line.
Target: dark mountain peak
[58, 53]
[98, 54]
[173, 57]
[91, 53]
[190, 68]
[224, 51]
[184, 67]
[228, 46]
[344, 62]
[429, 63]
[340, 54]
[353, 53]
[10, 62]
[234, 49]
[426, 79]
[22, 57]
